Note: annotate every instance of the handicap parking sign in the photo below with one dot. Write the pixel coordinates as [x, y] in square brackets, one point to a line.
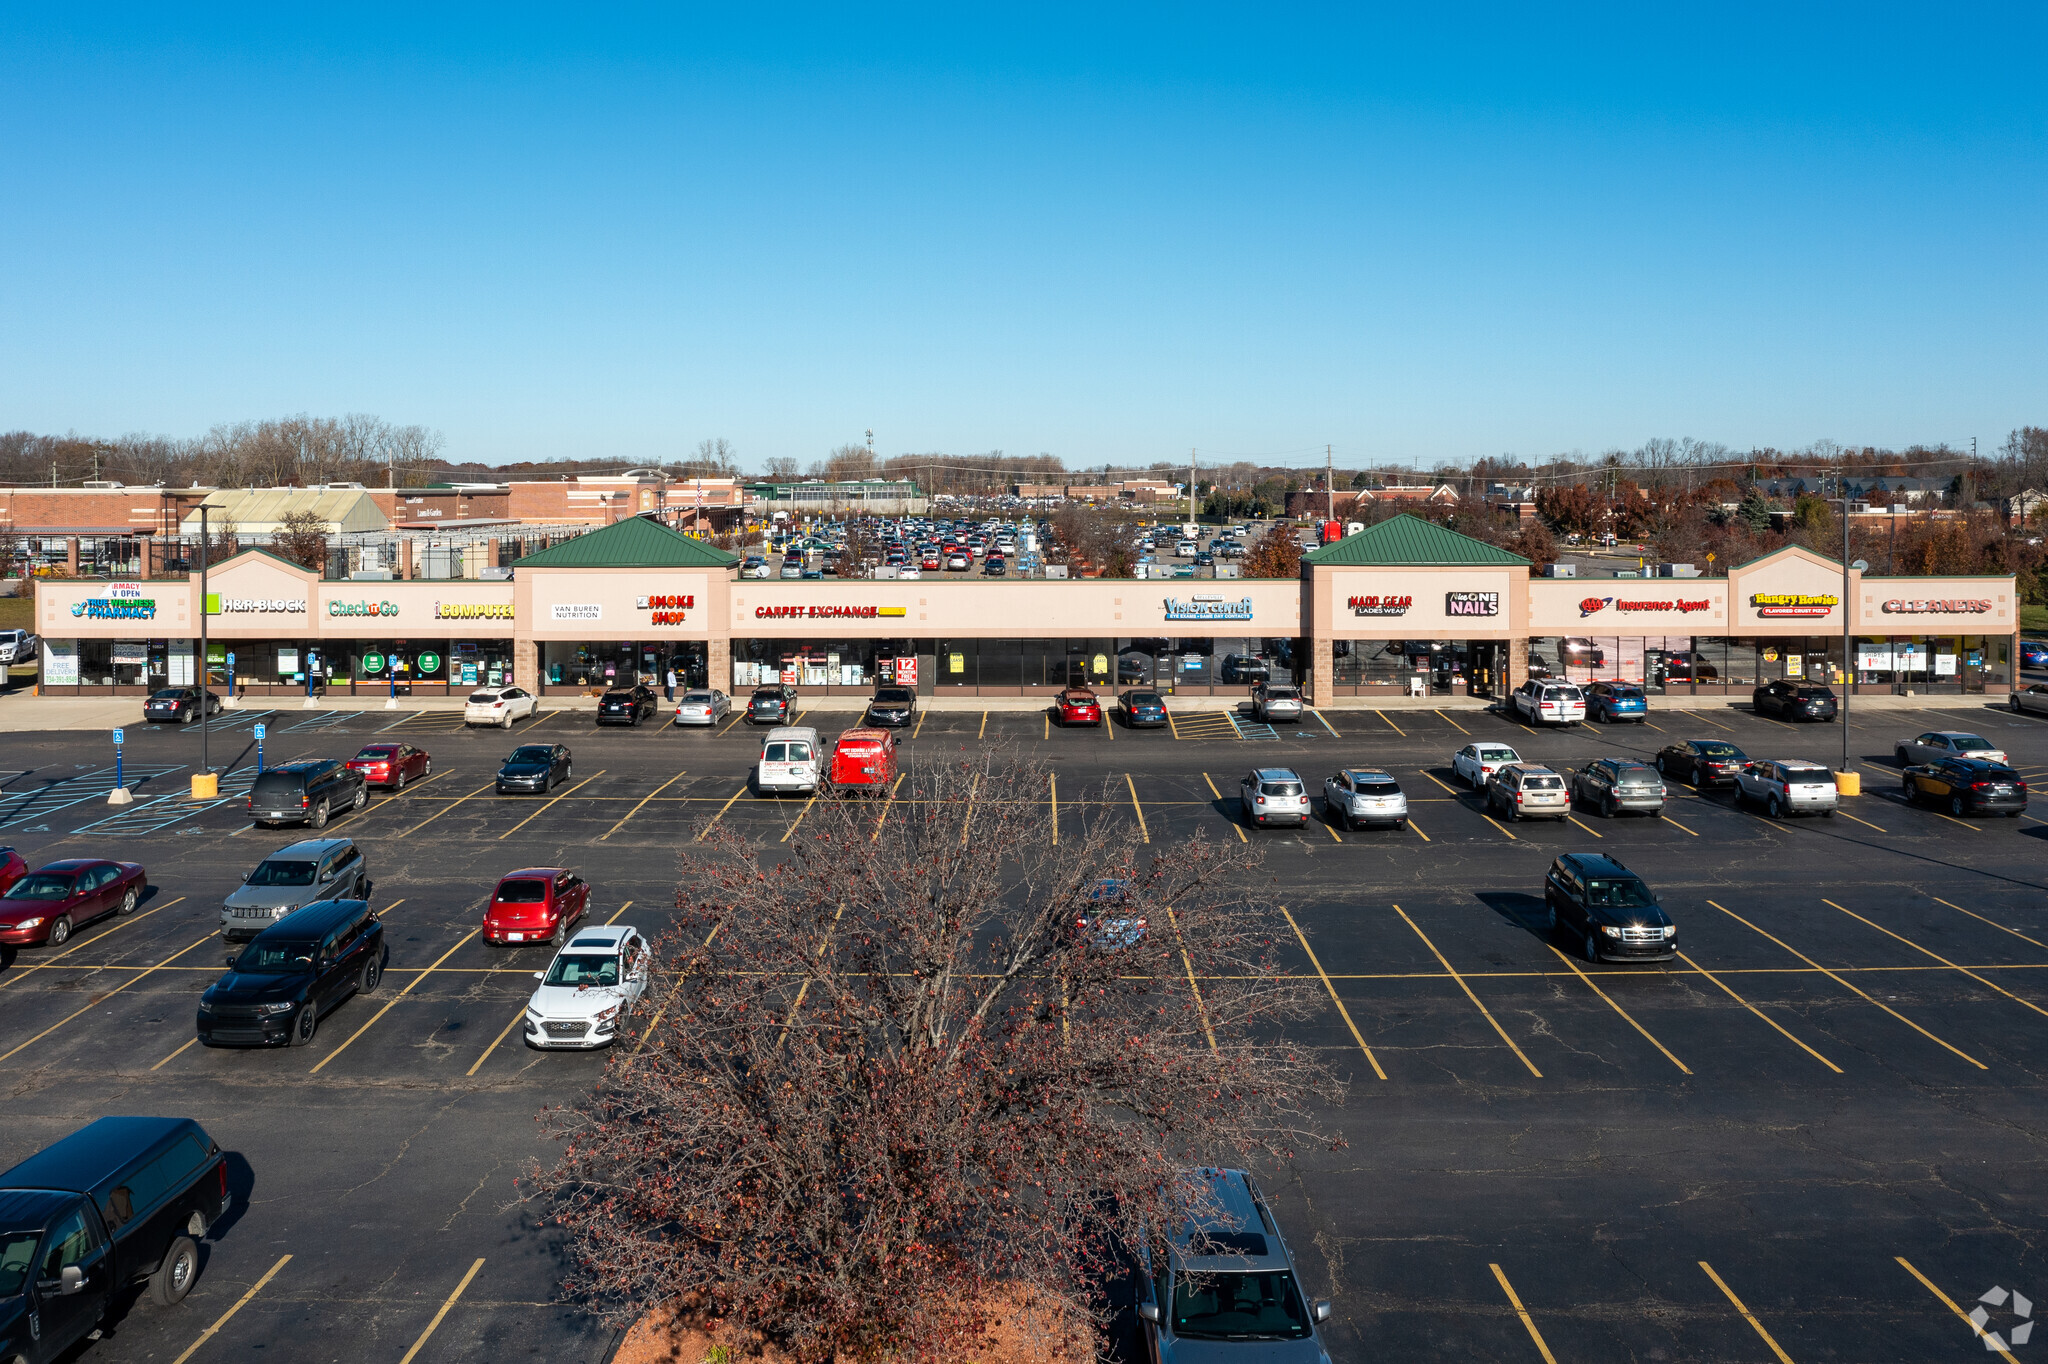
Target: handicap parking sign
[259, 733]
[119, 738]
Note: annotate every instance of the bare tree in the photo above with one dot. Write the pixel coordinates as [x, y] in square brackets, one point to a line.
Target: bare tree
[924, 1058]
[846, 462]
[783, 469]
[302, 538]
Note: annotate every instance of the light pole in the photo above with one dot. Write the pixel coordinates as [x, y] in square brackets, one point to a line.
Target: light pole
[205, 671]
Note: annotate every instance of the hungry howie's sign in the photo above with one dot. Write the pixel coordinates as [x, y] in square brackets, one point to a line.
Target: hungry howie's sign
[1773, 605]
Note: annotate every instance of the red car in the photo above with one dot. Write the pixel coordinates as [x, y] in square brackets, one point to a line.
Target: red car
[930, 563]
[392, 765]
[1079, 706]
[536, 905]
[48, 903]
[12, 868]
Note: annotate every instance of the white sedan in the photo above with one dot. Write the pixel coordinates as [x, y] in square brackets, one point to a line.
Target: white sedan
[1475, 763]
[1937, 744]
[589, 990]
[499, 706]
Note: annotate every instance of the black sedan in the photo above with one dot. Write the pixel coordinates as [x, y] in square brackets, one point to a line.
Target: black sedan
[1967, 786]
[892, 708]
[1703, 762]
[772, 705]
[178, 705]
[1141, 709]
[626, 705]
[535, 767]
[1793, 700]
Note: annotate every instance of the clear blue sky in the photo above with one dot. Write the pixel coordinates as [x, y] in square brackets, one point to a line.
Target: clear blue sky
[1107, 234]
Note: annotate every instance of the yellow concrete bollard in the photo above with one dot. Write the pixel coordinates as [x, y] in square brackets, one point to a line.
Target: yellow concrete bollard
[206, 786]
[1849, 783]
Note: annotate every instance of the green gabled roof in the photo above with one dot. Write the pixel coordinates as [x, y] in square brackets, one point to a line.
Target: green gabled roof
[1407, 540]
[636, 542]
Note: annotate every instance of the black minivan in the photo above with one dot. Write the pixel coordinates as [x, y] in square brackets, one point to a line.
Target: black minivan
[307, 792]
[291, 973]
[119, 1200]
[1607, 910]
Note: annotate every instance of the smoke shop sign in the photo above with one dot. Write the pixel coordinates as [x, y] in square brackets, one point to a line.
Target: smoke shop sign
[1471, 603]
[1380, 606]
[1208, 608]
[668, 609]
[1793, 604]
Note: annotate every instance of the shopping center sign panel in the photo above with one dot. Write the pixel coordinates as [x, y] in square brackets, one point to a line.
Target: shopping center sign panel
[1453, 603]
[1626, 606]
[624, 605]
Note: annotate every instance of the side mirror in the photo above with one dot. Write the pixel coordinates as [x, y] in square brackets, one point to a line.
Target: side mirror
[71, 1280]
[1150, 1311]
[1322, 1310]
[232, 959]
[540, 975]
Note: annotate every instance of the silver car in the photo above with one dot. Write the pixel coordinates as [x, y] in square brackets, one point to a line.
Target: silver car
[1271, 703]
[1225, 1286]
[1612, 785]
[1787, 786]
[1937, 744]
[1273, 795]
[1526, 791]
[2031, 699]
[1364, 795]
[700, 707]
[294, 876]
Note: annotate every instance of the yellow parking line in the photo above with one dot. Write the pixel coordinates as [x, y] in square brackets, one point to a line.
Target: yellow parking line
[210, 1332]
[1606, 999]
[1659, 728]
[1946, 1300]
[1171, 727]
[392, 1001]
[983, 732]
[1711, 720]
[1342, 1012]
[1676, 825]
[1108, 727]
[435, 1324]
[1938, 957]
[799, 818]
[1454, 724]
[648, 1031]
[1595, 832]
[1136, 808]
[1851, 988]
[1759, 1013]
[1973, 828]
[1201, 1009]
[1329, 830]
[734, 723]
[1391, 725]
[1528, 1322]
[891, 801]
[1418, 829]
[552, 804]
[1439, 781]
[1747, 1315]
[918, 728]
[1993, 922]
[189, 1044]
[1864, 822]
[636, 809]
[1219, 800]
[446, 808]
[1498, 825]
[115, 991]
[1484, 1012]
[522, 1010]
[414, 786]
[721, 811]
[17, 972]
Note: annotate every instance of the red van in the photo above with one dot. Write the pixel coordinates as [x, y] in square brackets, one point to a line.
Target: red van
[863, 760]
[539, 904]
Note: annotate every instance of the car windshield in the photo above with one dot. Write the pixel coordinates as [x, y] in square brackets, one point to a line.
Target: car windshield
[1626, 893]
[1714, 748]
[786, 753]
[619, 694]
[377, 753]
[524, 891]
[276, 873]
[531, 753]
[1230, 1306]
[1624, 693]
[1968, 742]
[768, 694]
[1808, 774]
[583, 969]
[17, 1253]
[1281, 693]
[1376, 786]
[483, 697]
[41, 886]
[1283, 788]
[893, 696]
[274, 958]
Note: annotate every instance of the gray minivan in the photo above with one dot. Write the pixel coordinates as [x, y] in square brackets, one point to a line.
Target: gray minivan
[297, 874]
[1225, 1286]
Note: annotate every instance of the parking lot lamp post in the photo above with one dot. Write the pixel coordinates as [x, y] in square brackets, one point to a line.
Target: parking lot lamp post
[205, 671]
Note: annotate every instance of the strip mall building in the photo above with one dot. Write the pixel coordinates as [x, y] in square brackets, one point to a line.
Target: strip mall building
[1401, 607]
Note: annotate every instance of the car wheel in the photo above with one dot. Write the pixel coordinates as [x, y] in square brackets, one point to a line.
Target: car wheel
[1607, 809]
[1774, 809]
[506, 723]
[362, 796]
[127, 901]
[60, 930]
[373, 971]
[1591, 947]
[1899, 756]
[1955, 806]
[560, 937]
[2014, 703]
[305, 1024]
[399, 785]
[173, 1278]
[426, 769]
[319, 820]
[1910, 789]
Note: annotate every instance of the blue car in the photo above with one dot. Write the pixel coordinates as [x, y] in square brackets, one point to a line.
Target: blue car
[1612, 702]
[2033, 653]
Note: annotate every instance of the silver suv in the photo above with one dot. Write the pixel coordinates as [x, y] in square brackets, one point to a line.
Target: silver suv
[294, 876]
[1524, 791]
[1272, 703]
[1364, 795]
[1273, 795]
[1225, 1286]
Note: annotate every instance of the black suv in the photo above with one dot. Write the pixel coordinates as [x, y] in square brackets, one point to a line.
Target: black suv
[774, 705]
[307, 792]
[893, 707]
[626, 705]
[293, 972]
[118, 1201]
[1607, 910]
[1789, 700]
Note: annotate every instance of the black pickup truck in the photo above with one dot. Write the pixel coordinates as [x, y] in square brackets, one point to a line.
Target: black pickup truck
[119, 1201]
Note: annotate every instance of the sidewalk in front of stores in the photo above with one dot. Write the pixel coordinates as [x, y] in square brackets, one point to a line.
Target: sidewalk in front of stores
[21, 710]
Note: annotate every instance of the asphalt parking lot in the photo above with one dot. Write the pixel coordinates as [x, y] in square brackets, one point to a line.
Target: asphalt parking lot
[1815, 1136]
